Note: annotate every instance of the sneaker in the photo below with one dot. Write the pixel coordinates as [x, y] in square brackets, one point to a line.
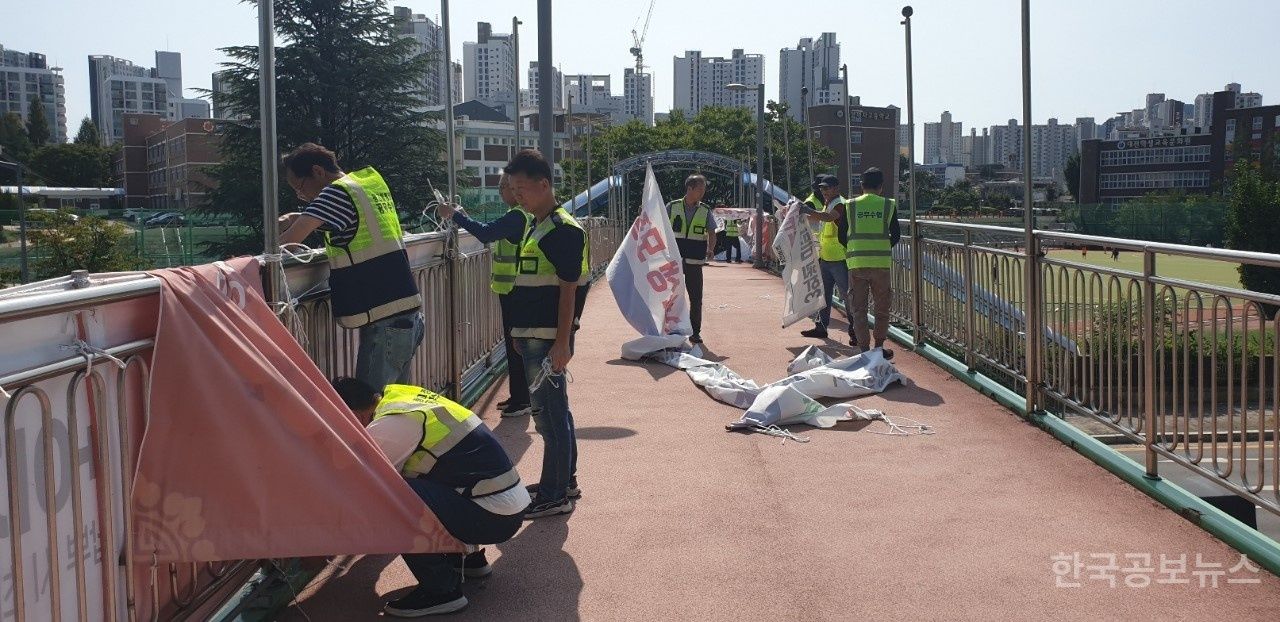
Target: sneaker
[516, 410]
[475, 566]
[888, 354]
[541, 507]
[573, 492]
[421, 602]
[817, 332]
[503, 404]
[853, 341]
[695, 339]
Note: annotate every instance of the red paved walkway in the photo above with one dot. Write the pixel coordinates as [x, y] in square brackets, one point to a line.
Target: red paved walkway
[680, 520]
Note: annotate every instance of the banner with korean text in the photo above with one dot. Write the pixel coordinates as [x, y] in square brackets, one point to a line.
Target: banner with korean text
[794, 245]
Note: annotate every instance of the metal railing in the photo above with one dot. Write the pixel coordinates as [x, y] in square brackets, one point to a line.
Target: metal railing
[1185, 367]
[72, 427]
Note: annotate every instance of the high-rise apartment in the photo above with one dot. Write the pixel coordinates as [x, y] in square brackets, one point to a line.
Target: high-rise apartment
[702, 81]
[637, 93]
[117, 86]
[812, 64]
[430, 40]
[27, 75]
[490, 66]
[942, 141]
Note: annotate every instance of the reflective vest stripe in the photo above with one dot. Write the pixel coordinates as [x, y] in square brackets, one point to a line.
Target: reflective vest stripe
[506, 256]
[445, 423]
[368, 222]
[691, 235]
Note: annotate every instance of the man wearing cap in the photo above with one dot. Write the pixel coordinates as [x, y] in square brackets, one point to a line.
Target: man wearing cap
[872, 234]
[832, 240]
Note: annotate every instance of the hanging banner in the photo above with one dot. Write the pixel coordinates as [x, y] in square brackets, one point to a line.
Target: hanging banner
[794, 245]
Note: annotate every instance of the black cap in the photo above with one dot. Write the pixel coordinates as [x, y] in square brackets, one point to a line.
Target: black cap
[827, 181]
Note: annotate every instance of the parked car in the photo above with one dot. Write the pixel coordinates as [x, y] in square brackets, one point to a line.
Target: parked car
[167, 219]
[132, 214]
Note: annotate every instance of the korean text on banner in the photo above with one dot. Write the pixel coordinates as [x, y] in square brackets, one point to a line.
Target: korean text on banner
[800, 274]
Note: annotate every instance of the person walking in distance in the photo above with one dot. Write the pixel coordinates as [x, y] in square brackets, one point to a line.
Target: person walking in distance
[695, 229]
[872, 233]
[830, 210]
[507, 233]
[732, 248]
[371, 286]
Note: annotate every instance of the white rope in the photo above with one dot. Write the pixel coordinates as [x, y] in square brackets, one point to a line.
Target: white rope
[914, 428]
[89, 352]
[546, 375]
[785, 435]
[288, 307]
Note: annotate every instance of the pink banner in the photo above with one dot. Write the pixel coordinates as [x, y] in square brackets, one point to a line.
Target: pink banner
[248, 452]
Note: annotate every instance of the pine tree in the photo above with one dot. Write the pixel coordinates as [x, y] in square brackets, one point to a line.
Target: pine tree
[88, 134]
[14, 143]
[37, 124]
[346, 80]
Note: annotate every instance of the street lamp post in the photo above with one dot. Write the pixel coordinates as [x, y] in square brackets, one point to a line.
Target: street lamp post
[786, 142]
[848, 129]
[758, 255]
[1030, 277]
[270, 151]
[916, 268]
[515, 53]
[808, 134]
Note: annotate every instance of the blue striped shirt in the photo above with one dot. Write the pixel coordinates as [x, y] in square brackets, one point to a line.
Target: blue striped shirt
[334, 209]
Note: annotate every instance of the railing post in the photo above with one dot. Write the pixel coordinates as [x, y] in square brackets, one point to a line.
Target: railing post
[968, 301]
[1149, 359]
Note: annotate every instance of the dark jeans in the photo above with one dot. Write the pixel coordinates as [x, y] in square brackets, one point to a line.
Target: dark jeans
[553, 421]
[835, 276]
[464, 520]
[386, 349]
[517, 381]
[693, 285]
[734, 247]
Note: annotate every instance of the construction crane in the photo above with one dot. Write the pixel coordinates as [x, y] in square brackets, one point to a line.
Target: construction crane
[637, 51]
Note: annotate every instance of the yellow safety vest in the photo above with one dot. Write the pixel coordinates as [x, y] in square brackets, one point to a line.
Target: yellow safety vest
[869, 217]
[506, 259]
[691, 233]
[539, 284]
[731, 228]
[829, 246]
[369, 277]
[444, 424]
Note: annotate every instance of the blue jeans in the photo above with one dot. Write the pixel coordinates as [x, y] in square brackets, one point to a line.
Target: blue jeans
[835, 276]
[464, 520]
[386, 349]
[554, 422]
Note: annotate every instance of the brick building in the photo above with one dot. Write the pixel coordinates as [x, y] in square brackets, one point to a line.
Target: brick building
[872, 141]
[163, 165]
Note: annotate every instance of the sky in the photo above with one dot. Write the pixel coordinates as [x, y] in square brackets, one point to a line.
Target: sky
[1089, 57]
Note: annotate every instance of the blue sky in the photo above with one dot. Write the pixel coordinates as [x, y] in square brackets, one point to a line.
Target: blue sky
[1089, 57]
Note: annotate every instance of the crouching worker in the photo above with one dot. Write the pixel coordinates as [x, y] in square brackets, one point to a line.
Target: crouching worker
[452, 460]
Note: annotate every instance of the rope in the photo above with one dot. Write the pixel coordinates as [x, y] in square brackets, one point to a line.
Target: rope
[547, 374]
[90, 352]
[914, 428]
[785, 435]
[288, 307]
[285, 575]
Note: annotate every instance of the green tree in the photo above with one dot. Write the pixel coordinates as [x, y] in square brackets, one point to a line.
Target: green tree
[346, 80]
[13, 140]
[38, 131]
[88, 134]
[66, 243]
[1072, 173]
[1253, 223]
[73, 165]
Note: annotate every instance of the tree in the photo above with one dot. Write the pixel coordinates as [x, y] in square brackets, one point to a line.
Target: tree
[346, 80]
[88, 134]
[88, 243]
[13, 138]
[1253, 224]
[1072, 173]
[73, 165]
[37, 123]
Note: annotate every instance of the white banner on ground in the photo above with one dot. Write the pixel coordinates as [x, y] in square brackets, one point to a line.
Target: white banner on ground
[800, 274]
[646, 278]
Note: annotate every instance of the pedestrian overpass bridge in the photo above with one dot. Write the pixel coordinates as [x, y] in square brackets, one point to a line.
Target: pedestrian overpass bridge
[991, 517]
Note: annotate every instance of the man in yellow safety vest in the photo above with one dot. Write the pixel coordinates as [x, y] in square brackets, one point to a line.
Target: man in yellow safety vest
[829, 209]
[872, 234]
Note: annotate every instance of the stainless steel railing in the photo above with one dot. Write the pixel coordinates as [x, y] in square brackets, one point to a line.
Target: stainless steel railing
[1185, 367]
[72, 428]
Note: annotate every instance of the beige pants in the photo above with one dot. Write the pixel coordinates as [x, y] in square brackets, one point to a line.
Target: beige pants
[873, 281]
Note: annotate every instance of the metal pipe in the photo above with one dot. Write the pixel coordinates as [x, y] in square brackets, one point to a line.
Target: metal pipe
[808, 133]
[1029, 291]
[916, 239]
[270, 150]
[568, 143]
[23, 269]
[454, 385]
[515, 59]
[759, 261]
[1152, 462]
[786, 144]
[546, 115]
[848, 132]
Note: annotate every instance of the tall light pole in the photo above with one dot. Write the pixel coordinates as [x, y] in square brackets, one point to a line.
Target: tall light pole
[758, 255]
[848, 129]
[1030, 277]
[515, 52]
[808, 134]
[786, 142]
[546, 115]
[270, 150]
[916, 255]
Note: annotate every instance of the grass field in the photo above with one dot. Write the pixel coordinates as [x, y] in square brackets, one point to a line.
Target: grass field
[1208, 271]
[158, 248]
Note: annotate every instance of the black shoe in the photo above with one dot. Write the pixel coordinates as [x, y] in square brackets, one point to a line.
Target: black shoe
[475, 566]
[503, 404]
[817, 332]
[516, 410]
[421, 602]
[572, 492]
[696, 338]
[887, 353]
[853, 341]
[542, 507]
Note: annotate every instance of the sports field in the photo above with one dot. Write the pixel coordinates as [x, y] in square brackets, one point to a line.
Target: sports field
[1194, 269]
